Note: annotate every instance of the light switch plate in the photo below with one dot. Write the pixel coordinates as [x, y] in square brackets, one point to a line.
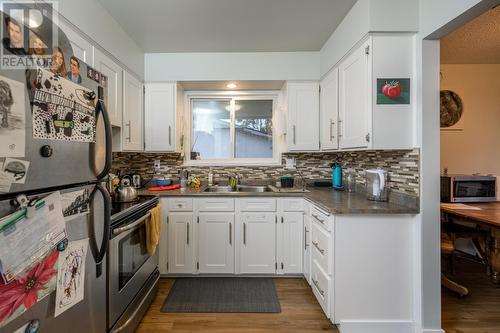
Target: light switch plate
[290, 163]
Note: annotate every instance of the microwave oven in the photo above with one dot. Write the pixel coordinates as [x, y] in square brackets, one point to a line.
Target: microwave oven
[468, 188]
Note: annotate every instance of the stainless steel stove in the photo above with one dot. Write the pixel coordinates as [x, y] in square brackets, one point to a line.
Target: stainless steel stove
[133, 273]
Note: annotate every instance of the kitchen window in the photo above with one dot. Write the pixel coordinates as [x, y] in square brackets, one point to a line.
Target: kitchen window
[232, 129]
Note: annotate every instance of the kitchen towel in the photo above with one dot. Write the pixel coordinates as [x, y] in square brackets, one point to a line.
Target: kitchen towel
[153, 229]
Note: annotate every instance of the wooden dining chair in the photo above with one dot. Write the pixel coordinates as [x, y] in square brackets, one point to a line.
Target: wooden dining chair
[448, 249]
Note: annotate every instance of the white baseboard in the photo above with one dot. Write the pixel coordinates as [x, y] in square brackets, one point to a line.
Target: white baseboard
[432, 331]
[366, 326]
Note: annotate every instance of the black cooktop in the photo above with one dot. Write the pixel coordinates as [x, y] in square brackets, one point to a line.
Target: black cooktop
[122, 210]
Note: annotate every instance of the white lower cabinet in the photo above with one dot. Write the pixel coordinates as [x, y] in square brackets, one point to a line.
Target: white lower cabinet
[290, 243]
[180, 243]
[216, 242]
[257, 243]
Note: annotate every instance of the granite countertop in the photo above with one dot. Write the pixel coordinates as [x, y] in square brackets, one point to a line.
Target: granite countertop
[335, 202]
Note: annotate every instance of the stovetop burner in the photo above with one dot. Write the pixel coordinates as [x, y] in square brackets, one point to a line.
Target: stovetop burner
[120, 210]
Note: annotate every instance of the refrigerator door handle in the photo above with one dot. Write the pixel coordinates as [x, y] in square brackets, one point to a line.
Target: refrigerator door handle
[100, 252]
[101, 109]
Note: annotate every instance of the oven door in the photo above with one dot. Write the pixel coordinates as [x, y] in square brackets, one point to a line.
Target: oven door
[130, 265]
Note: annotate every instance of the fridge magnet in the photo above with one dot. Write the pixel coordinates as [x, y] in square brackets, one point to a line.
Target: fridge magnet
[393, 91]
[23, 292]
[74, 70]
[62, 110]
[451, 110]
[71, 276]
[31, 327]
[75, 203]
[18, 169]
[90, 72]
[97, 76]
[12, 115]
[104, 80]
[58, 65]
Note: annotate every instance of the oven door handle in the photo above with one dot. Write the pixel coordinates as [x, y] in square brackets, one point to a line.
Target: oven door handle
[132, 225]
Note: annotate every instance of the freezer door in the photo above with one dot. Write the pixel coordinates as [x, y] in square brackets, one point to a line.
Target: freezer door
[71, 162]
[90, 315]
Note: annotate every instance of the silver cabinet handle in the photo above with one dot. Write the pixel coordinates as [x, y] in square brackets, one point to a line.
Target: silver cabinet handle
[187, 232]
[129, 124]
[317, 286]
[318, 219]
[339, 134]
[244, 233]
[169, 135]
[319, 249]
[293, 134]
[132, 225]
[305, 238]
[331, 129]
[230, 233]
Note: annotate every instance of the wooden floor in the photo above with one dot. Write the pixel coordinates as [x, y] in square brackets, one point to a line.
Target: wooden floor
[300, 312]
[479, 312]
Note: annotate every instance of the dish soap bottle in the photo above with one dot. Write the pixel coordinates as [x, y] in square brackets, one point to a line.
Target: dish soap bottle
[210, 177]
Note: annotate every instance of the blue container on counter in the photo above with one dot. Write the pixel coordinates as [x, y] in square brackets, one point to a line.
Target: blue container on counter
[336, 175]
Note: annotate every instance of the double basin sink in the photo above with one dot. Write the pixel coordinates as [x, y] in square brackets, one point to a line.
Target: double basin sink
[239, 188]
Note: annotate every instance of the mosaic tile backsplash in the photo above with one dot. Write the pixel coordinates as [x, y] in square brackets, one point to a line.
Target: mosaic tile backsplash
[402, 166]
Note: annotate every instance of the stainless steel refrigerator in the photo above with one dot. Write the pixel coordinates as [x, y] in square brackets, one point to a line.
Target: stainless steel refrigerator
[62, 165]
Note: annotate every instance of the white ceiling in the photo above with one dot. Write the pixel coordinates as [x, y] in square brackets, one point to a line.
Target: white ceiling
[228, 25]
[477, 42]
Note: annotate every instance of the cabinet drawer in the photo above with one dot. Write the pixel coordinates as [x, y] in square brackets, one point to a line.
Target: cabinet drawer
[320, 217]
[292, 205]
[256, 205]
[215, 205]
[321, 287]
[180, 204]
[320, 247]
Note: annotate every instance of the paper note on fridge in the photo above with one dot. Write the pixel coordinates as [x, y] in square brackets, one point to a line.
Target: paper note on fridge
[27, 235]
[71, 276]
[12, 118]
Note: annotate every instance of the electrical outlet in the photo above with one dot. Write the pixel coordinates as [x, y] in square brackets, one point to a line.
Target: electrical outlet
[290, 163]
[156, 164]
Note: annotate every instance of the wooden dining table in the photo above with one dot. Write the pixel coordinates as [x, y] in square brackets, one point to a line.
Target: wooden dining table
[486, 216]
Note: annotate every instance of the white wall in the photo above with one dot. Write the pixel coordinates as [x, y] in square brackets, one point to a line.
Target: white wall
[444, 16]
[475, 148]
[364, 17]
[231, 66]
[92, 19]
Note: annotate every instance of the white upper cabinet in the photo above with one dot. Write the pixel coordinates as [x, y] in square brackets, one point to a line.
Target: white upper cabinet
[329, 108]
[355, 98]
[132, 131]
[114, 90]
[160, 116]
[303, 116]
[82, 48]
[216, 242]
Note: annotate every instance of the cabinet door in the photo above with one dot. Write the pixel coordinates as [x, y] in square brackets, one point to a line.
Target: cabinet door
[307, 248]
[329, 108]
[132, 113]
[257, 243]
[180, 243]
[303, 116]
[355, 99]
[82, 48]
[114, 91]
[216, 242]
[160, 116]
[290, 243]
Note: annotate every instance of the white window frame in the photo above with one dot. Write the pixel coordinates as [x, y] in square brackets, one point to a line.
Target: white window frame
[231, 95]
